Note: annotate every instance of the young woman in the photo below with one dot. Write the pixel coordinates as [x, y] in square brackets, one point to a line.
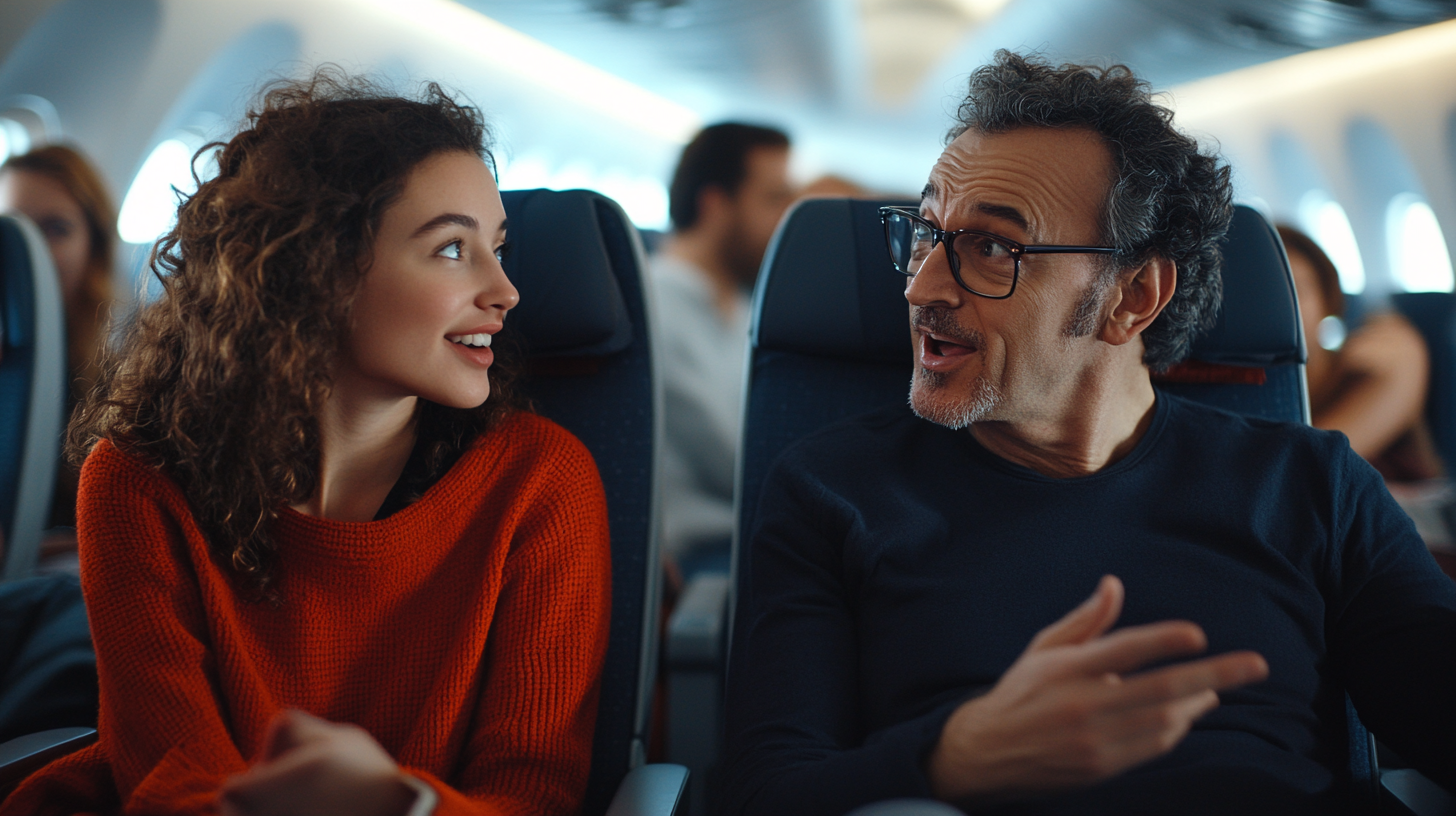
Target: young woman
[331, 566]
[60, 191]
[1373, 388]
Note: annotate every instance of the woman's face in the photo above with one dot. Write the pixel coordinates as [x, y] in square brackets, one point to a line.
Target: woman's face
[1312, 308]
[426, 310]
[45, 201]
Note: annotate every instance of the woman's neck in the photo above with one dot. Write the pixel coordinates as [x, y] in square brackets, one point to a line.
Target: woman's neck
[366, 441]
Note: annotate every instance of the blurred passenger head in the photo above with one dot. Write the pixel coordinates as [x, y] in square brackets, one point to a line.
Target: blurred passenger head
[1164, 198]
[733, 181]
[1316, 280]
[221, 381]
[60, 191]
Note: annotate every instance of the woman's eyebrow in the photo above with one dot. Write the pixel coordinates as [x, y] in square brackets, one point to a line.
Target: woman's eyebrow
[447, 218]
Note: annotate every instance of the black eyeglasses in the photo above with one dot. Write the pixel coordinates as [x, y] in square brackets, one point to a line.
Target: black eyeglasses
[983, 263]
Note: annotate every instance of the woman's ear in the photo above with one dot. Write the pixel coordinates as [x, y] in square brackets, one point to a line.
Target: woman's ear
[1138, 298]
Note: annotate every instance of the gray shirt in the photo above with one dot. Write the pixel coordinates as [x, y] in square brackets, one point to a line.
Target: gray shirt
[701, 355]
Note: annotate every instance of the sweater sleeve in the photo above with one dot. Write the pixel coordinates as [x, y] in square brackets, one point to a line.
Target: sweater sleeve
[796, 742]
[1393, 624]
[162, 728]
[529, 751]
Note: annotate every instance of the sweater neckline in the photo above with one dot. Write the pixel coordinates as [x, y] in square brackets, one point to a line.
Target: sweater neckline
[376, 537]
[1161, 409]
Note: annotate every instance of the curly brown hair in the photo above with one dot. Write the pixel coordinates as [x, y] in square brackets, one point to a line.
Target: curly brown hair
[219, 383]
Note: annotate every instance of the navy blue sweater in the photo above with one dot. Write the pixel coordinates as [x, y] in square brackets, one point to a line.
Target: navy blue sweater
[898, 568]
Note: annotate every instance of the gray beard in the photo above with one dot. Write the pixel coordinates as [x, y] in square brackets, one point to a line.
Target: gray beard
[954, 414]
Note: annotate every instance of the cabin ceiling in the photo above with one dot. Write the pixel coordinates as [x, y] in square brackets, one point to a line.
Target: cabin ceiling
[863, 57]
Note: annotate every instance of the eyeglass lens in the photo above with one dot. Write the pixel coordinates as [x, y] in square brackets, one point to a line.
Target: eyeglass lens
[984, 265]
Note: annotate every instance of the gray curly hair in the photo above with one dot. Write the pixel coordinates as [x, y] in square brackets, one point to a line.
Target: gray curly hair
[1167, 198]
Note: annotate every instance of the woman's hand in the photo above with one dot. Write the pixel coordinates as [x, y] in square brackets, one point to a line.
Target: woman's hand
[315, 767]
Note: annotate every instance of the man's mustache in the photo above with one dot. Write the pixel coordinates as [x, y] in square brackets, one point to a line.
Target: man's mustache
[939, 321]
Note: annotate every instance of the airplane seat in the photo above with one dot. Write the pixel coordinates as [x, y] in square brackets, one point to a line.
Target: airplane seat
[1252, 360]
[582, 326]
[33, 374]
[1434, 316]
[830, 339]
[578, 264]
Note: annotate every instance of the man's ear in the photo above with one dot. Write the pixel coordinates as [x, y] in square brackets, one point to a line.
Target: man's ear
[1138, 298]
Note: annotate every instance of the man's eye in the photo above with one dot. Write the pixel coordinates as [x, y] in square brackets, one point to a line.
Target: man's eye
[453, 250]
[503, 251]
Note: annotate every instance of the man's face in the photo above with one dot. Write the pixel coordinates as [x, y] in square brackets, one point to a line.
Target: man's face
[755, 210]
[1014, 359]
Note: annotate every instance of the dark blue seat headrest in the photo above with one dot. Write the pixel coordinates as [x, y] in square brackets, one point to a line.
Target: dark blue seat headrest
[1259, 322]
[830, 254]
[17, 315]
[570, 304]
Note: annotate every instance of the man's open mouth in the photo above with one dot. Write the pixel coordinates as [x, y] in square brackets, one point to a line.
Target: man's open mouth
[942, 346]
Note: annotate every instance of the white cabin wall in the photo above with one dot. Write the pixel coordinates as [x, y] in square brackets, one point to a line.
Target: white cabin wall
[1402, 83]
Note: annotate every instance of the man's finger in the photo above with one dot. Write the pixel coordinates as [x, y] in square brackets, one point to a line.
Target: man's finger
[1089, 620]
[1134, 647]
[1218, 673]
[1138, 735]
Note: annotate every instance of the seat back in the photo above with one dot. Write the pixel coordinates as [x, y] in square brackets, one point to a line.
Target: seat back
[582, 323]
[830, 339]
[33, 373]
[1434, 316]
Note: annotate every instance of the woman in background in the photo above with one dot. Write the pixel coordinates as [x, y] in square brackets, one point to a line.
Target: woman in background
[332, 566]
[60, 191]
[1373, 387]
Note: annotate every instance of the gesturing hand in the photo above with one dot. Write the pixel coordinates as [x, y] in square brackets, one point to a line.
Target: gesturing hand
[1068, 713]
[315, 767]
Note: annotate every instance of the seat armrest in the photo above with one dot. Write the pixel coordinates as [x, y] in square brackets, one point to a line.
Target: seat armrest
[650, 790]
[25, 755]
[698, 625]
[1416, 794]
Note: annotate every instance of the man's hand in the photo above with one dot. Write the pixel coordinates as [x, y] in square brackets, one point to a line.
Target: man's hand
[317, 768]
[1068, 712]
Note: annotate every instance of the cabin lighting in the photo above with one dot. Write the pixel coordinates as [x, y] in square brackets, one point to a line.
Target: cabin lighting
[575, 81]
[1419, 259]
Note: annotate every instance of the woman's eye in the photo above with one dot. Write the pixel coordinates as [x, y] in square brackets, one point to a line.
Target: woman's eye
[503, 251]
[453, 250]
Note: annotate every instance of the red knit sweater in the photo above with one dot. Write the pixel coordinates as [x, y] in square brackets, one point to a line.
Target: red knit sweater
[465, 632]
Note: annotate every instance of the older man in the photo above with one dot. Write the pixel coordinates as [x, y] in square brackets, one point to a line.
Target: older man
[906, 631]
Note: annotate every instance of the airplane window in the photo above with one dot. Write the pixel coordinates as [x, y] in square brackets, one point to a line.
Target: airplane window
[150, 204]
[14, 139]
[1325, 221]
[1418, 255]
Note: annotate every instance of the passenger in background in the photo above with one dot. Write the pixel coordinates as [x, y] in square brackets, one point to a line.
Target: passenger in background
[331, 565]
[728, 193]
[1372, 388]
[57, 188]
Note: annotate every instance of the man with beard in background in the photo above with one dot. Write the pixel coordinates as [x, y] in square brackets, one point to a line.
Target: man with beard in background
[728, 193]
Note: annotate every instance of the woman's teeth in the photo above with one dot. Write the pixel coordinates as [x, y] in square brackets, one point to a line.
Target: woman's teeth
[475, 340]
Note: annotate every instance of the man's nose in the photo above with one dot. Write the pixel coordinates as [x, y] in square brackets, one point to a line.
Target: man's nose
[934, 284]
